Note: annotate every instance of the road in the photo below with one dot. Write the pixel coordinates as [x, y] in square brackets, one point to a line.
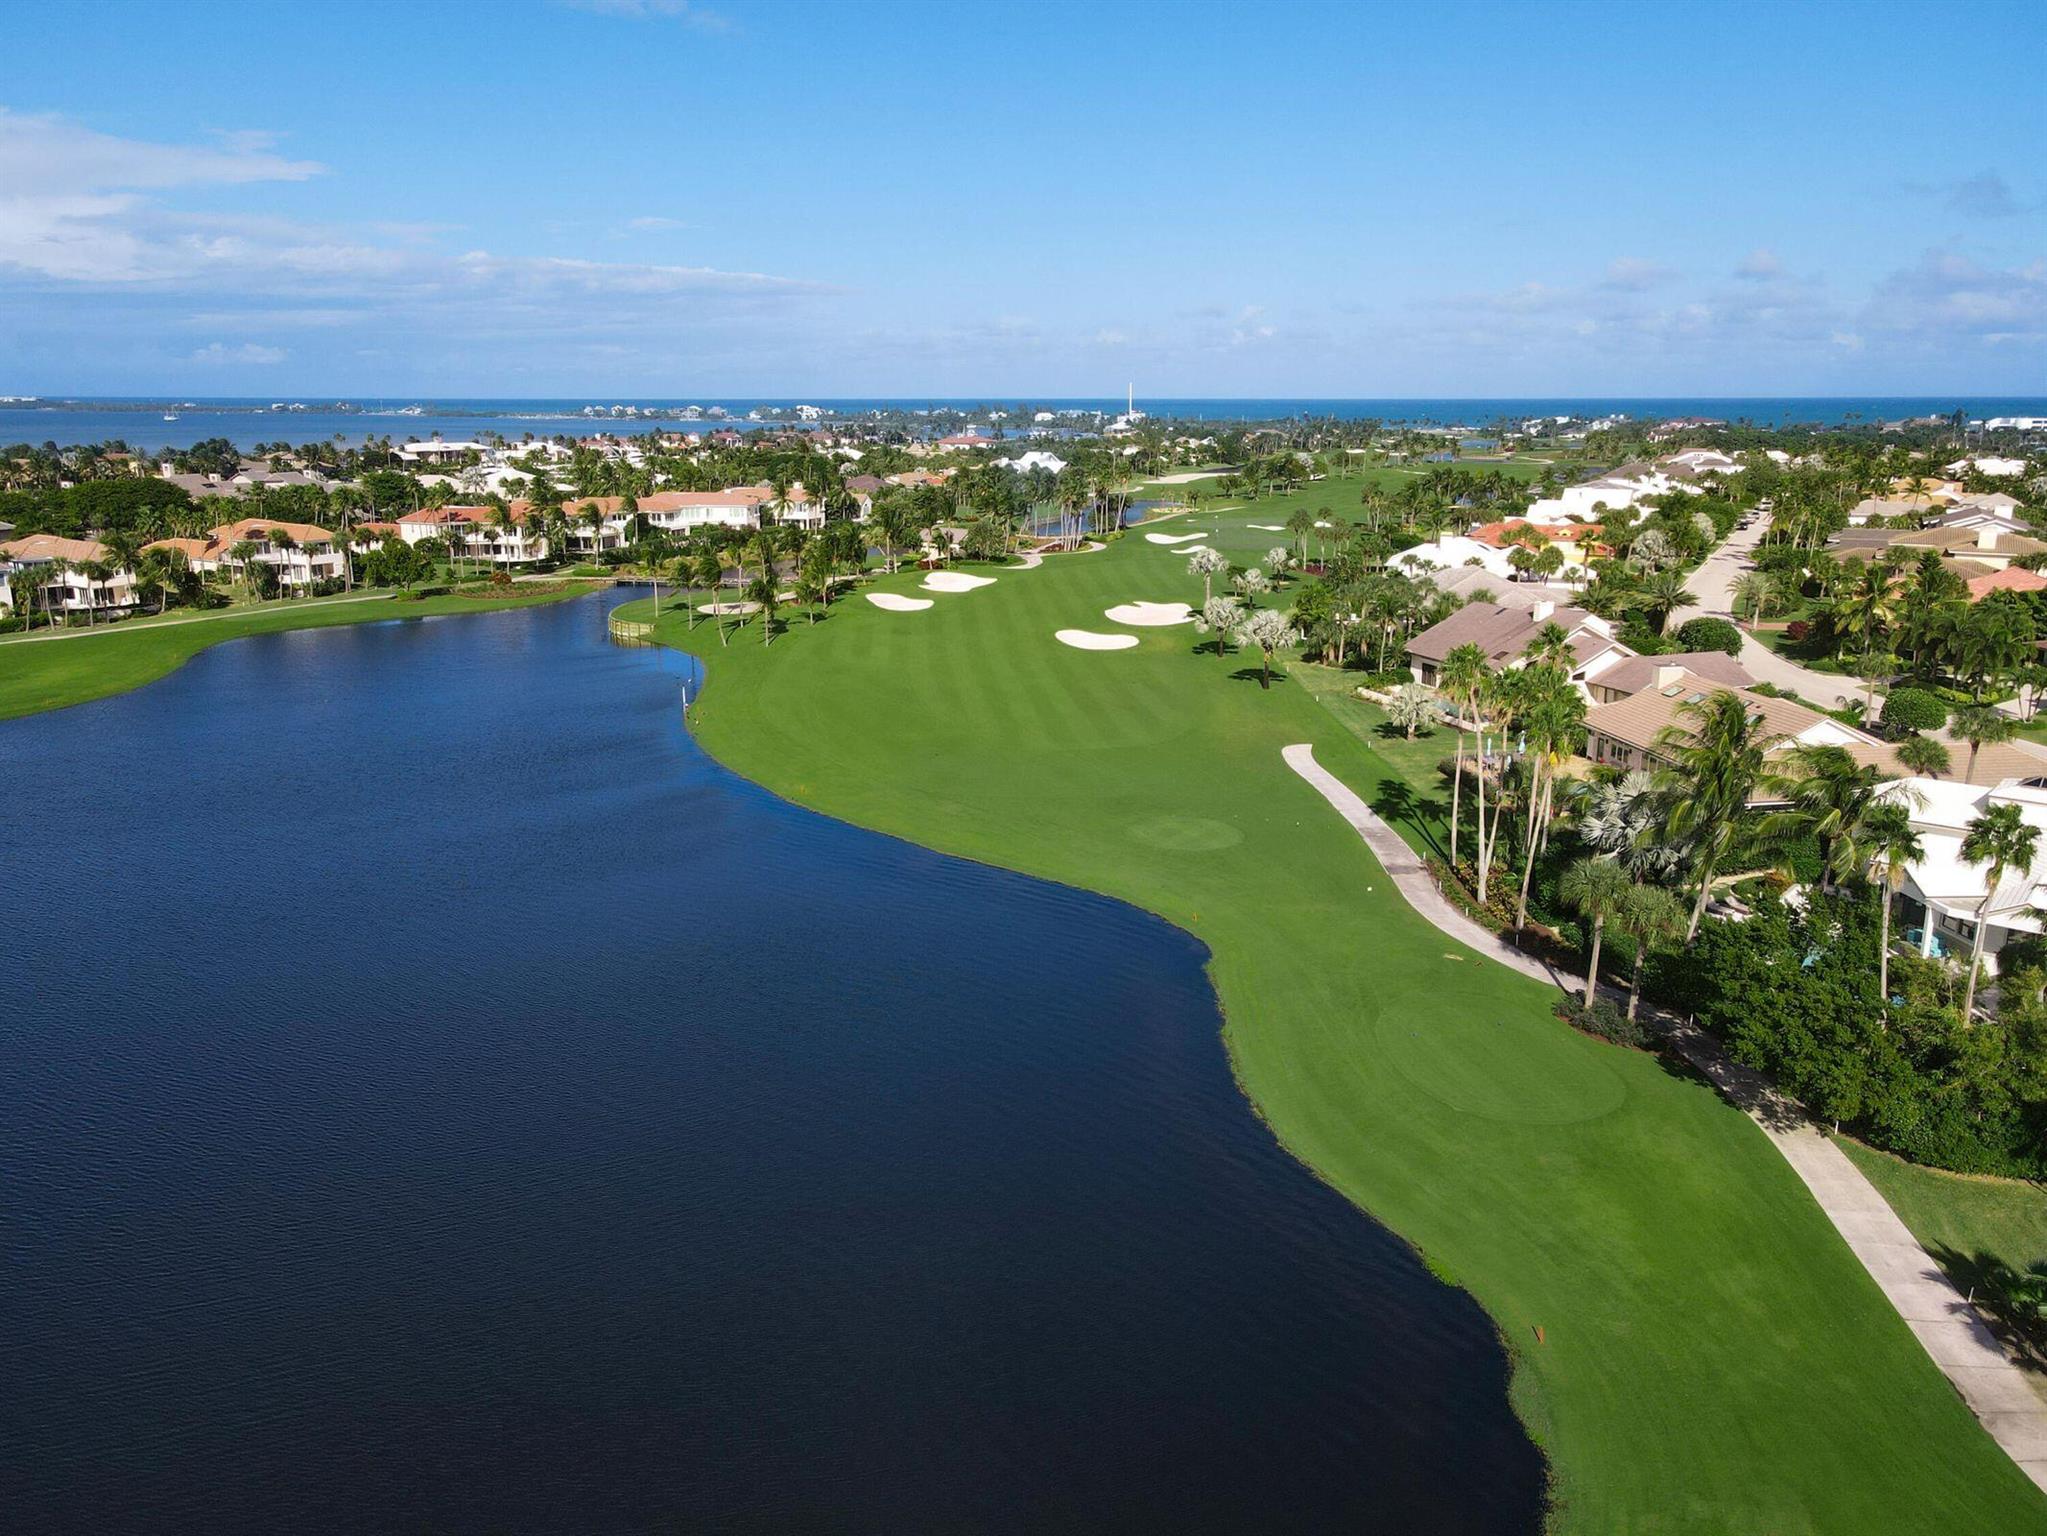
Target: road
[1713, 583]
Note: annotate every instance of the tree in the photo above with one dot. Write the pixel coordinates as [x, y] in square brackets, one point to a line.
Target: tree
[761, 591]
[1831, 797]
[1219, 616]
[1755, 595]
[1889, 844]
[707, 570]
[1662, 591]
[1268, 630]
[1709, 634]
[1648, 914]
[1720, 758]
[1552, 714]
[1208, 564]
[1978, 724]
[1462, 676]
[2002, 838]
[1913, 709]
[1412, 707]
[1924, 756]
[1595, 890]
[1302, 526]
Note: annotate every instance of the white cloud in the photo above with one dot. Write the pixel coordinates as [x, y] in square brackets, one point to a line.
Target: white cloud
[219, 353]
[652, 222]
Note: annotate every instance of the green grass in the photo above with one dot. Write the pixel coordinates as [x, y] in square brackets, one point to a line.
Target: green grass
[1966, 1223]
[1715, 1358]
[38, 673]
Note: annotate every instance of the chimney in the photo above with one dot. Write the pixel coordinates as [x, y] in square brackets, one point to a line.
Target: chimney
[1540, 613]
[1986, 536]
[1665, 676]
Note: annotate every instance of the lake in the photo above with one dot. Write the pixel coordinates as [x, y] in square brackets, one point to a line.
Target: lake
[438, 1097]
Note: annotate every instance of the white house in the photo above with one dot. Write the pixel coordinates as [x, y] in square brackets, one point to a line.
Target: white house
[52, 572]
[438, 452]
[1037, 458]
[1998, 469]
[1450, 552]
[1945, 896]
[681, 511]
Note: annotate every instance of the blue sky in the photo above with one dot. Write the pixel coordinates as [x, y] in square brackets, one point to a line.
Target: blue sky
[646, 198]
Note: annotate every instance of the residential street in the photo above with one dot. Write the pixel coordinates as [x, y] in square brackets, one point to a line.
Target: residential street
[1714, 582]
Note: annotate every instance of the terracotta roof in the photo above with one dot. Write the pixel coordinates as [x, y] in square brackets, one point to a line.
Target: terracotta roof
[259, 528]
[675, 501]
[442, 516]
[49, 546]
[2011, 579]
[191, 549]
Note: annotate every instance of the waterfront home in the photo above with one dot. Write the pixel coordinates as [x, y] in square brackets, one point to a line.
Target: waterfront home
[305, 554]
[1628, 733]
[1503, 633]
[448, 523]
[1944, 896]
[683, 511]
[66, 577]
[439, 452]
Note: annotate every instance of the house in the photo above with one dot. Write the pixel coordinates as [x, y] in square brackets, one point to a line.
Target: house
[447, 523]
[2011, 579]
[66, 576]
[1995, 468]
[967, 440]
[1627, 733]
[681, 511]
[1990, 547]
[916, 477]
[1974, 514]
[1625, 679]
[612, 530]
[1451, 552]
[306, 553]
[1944, 896]
[1503, 633]
[1890, 507]
[438, 452]
[1037, 458]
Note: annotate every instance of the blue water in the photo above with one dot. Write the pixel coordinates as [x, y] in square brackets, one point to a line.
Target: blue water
[247, 422]
[438, 1098]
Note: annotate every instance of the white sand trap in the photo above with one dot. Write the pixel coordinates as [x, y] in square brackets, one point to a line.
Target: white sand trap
[722, 609]
[1147, 615]
[1320, 524]
[1171, 538]
[895, 602]
[1275, 527]
[1088, 640]
[955, 581]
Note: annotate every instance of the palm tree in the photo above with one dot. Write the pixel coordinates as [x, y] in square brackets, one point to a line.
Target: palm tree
[1978, 724]
[707, 570]
[1412, 708]
[1649, 913]
[243, 551]
[1268, 629]
[1595, 890]
[1832, 798]
[1664, 591]
[1924, 756]
[761, 590]
[1208, 564]
[1719, 761]
[1218, 617]
[1302, 526]
[1462, 675]
[1754, 594]
[1889, 844]
[1553, 723]
[2002, 838]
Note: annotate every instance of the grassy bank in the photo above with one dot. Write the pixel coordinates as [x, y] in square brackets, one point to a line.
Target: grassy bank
[1967, 1224]
[1711, 1356]
[51, 671]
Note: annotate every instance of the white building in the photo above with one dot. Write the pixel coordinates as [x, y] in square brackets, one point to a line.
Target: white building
[1450, 552]
[1998, 469]
[1945, 896]
[55, 574]
[1037, 458]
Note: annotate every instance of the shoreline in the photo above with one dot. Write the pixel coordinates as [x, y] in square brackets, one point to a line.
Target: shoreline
[1780, 1473]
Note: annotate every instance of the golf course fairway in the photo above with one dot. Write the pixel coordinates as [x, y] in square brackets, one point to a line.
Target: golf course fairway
[1711, 1357]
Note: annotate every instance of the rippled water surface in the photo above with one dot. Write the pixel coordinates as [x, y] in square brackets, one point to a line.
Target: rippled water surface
[438, 1098]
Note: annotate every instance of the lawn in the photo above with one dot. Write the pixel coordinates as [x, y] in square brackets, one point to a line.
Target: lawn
[39, 673]
[1712, 1357]
[1966, 1223]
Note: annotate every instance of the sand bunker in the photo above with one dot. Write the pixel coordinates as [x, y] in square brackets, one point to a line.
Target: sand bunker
[1088, 640]
[895, 602]
[722, 609]
[955, 581]
[1147, 615]
[1320, 524]
[1273, 527]
[1171, 538]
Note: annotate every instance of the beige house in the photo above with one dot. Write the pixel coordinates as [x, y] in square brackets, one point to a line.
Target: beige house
[56, 574]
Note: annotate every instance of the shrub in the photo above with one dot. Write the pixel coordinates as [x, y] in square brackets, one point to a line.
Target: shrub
[1913, 709]
[1797, 631]
[1708, 634]
[1604, 1020]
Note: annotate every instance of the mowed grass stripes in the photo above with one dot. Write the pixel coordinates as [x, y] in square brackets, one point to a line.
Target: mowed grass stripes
[1713, 1357]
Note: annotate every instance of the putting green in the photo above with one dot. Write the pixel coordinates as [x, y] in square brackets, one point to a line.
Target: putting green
[1186, 834]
